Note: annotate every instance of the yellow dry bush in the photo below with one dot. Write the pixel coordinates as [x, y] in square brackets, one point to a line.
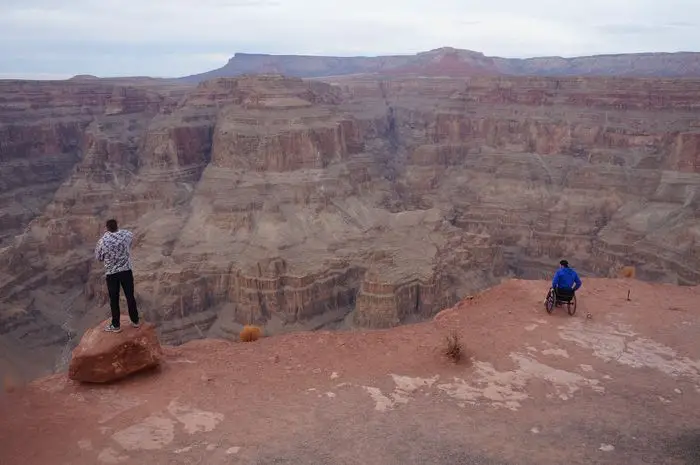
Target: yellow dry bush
[250, 333]
[628, 272]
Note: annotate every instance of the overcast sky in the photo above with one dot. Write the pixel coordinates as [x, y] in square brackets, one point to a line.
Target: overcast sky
[61, 38]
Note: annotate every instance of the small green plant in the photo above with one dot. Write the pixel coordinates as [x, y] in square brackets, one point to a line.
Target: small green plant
[453, 347]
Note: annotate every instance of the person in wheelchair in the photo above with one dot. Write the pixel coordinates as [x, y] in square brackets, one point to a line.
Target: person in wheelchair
[565, 282]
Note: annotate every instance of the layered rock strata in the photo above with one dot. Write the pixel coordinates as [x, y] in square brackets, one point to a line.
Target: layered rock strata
[301, 204]
[452, 62]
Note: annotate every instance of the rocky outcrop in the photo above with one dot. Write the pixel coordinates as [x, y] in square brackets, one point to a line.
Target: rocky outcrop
[291, 204]
[681, 64]
[451, 62]
[103, 357]
[126, 100]
[47, 127]
[63, 147]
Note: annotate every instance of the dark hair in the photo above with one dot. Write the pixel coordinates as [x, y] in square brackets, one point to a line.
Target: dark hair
[564, 263]
[112, 226]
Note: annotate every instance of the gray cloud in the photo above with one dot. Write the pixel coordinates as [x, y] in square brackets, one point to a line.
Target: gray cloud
[628, 28]
[681, 24]
[178, 37]
[640, 28]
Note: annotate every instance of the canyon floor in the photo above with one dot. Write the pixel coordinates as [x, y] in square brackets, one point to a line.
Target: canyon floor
[616, 383]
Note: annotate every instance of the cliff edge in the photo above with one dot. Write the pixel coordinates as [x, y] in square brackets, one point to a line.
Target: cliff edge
[619, 382]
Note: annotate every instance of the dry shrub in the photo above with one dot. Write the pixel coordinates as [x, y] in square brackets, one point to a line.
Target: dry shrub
[628, 272]
[453, 347]
[250, 333]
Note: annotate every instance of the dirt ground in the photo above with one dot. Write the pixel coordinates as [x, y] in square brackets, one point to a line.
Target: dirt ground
[618, 383]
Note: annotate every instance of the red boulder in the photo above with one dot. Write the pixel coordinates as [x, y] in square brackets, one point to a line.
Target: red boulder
[102, 357]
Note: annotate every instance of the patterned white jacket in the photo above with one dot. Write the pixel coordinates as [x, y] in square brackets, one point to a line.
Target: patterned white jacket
[114, 250]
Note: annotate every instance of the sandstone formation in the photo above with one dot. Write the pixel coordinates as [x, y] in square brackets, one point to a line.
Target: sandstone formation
[448, 61]
[440, 62]
[102, 357]
[678, 65]
[292, 204]
[50, 133]
[43, 131]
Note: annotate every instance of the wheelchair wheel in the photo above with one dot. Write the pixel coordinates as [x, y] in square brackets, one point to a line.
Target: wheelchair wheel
[550, 302]
[571, 308]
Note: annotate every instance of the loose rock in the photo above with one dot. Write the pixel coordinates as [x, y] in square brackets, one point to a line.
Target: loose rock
[103, 357]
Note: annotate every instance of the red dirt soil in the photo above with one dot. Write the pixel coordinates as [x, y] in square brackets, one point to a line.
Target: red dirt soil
[617, 383]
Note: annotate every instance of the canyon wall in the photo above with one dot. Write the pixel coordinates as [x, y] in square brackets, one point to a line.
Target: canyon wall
[453, 62]
[354, 202]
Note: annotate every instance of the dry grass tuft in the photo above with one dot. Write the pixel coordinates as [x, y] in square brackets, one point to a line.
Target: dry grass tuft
[250, 333]
[453, 347]
[628, 272]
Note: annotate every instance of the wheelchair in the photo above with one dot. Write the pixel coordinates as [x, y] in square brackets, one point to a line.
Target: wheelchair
[558, 298]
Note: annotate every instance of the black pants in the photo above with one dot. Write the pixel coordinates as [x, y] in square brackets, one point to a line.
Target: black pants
[125, 279]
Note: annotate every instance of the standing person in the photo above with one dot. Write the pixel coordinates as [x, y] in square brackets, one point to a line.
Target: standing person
[113, 249]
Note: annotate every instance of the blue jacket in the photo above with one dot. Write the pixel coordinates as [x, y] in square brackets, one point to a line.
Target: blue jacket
[566, 278]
